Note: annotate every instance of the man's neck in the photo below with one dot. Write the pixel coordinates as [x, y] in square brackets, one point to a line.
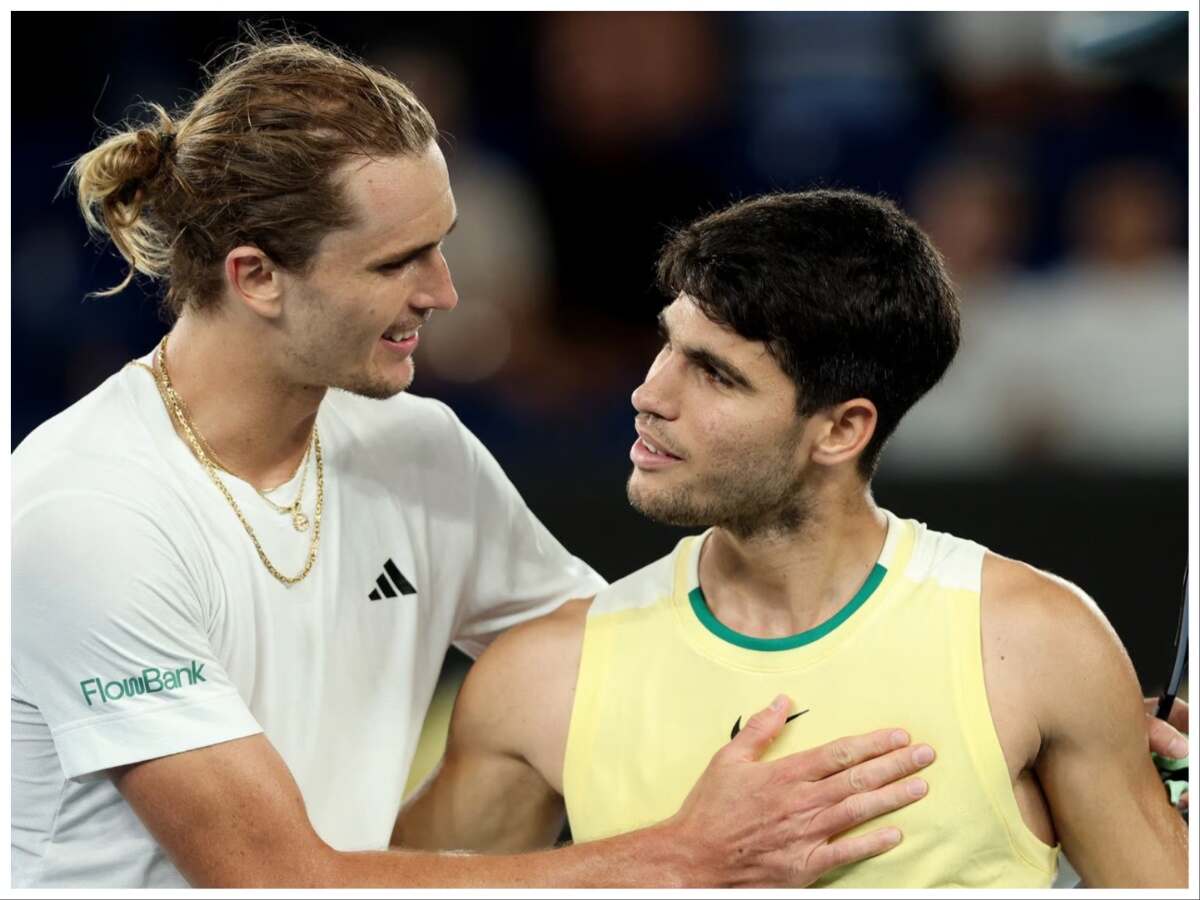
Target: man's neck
[252, 418]
[777, 585]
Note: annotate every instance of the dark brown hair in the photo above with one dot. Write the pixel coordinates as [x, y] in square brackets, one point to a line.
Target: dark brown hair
[848, 294]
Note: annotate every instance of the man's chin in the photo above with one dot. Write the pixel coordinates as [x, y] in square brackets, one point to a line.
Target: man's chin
[374, 390]
[663, 506]
[377, 388]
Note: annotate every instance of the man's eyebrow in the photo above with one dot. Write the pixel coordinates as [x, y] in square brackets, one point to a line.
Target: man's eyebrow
[706, 359]
[402, 256]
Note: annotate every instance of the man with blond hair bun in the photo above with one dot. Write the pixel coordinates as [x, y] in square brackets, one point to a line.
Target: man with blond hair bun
[233, 587]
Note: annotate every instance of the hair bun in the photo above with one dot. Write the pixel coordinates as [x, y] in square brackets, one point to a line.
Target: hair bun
[156, 147]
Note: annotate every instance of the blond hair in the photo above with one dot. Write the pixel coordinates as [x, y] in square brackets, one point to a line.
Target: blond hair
[250, 162]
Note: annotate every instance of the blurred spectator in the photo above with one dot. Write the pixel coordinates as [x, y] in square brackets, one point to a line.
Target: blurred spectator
[832, 97]
[1086, 364]
[1124, 218]
[617, 82]
[635, 138]
[1118, 324]
[975, 208]
[999, 66]
[987, 48]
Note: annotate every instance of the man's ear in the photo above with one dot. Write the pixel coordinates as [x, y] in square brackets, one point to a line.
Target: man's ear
[253, 278]
[844, 431]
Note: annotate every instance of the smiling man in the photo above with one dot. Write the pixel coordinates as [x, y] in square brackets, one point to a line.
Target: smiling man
[801, 329]
[239, 562]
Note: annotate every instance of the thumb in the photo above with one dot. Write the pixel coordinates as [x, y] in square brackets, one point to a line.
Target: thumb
[1178, 717]
[1165, 740]
[752, 741]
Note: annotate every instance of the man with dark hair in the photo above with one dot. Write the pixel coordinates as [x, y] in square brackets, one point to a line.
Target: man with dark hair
[233, 587]
[849, 296]
[801, 329]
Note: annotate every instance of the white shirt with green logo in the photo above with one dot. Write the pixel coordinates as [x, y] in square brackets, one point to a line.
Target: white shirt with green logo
[144, 623]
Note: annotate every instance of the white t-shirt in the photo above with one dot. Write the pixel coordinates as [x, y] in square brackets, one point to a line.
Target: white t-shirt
[145, 624]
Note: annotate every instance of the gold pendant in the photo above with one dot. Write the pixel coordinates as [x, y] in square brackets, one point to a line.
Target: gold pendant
[299, 520]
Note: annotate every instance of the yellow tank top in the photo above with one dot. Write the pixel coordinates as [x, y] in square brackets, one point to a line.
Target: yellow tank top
[662, 684]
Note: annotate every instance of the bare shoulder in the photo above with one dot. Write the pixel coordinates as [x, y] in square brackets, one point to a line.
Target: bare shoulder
[1055, 657]
[537, 648]
[1037, 606]
[1053, 638]
[517, 697]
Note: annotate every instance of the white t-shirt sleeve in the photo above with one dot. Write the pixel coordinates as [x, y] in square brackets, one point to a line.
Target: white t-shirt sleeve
[111, 634]
[517, 569]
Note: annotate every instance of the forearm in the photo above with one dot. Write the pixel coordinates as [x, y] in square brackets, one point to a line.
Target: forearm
[1146, 848]
[1111, 814]
[231, 815]
[651, 858]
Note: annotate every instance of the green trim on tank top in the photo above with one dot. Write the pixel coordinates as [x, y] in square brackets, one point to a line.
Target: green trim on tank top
[727, 634]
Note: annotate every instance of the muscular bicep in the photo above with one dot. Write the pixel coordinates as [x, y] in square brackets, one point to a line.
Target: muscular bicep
[484, 795]
[1110, 811]
[480, 799]
[498, 787]
[228, 815]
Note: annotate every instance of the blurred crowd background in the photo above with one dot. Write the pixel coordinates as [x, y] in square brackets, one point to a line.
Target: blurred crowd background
[1045, 153]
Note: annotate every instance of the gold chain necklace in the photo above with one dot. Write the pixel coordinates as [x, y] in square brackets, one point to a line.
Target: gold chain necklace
[174, 405]
[299, 519]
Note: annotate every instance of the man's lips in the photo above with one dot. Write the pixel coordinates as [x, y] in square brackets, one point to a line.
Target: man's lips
[655, 444]
[400, 340]
[648, 453]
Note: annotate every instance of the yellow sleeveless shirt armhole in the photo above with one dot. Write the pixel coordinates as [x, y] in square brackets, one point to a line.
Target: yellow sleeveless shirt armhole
[585, 714]
[597, 654]
[983, 742]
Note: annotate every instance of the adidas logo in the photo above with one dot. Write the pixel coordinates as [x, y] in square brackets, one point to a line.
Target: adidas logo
[389, 588]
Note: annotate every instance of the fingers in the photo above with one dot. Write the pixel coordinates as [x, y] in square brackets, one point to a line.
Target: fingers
[821, 762]
[859, 808]
[877, 772]
[848, 850]
[760, 729]
[1177, 717]
[1165, 740]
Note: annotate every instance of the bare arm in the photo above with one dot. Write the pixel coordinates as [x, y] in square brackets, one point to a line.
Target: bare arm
[499, 785]
[231, 815]
[486, 795]
[1108, 806]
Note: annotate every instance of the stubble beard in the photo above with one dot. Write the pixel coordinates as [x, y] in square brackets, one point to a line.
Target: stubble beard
[749, 504]
[375, 388]
[318, 366]
[320, 354]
